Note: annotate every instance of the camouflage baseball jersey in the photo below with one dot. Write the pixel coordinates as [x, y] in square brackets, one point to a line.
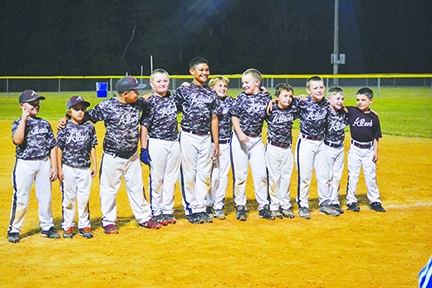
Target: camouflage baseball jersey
[364, 127]
[280, 123]
[336, 123]
[313, 116]
[121, 123]
[197, 104]
[225, 126]
[76, 142]
[251, 111]
[161, 121]
[38, 139]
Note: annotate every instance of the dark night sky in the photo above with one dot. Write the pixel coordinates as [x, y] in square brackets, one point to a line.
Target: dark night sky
[277, 37]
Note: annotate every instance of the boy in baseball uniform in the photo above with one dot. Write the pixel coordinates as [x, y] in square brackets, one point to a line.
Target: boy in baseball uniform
[75, 154]
[247, 116]
[160, 148]
[35, 162]
[279, 158]
[199, 124]
[310, 149]
[365, 132]
[222, 163]
[337, 120]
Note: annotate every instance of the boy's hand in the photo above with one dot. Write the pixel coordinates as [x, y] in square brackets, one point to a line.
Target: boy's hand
[374, 112]
[269, 106]
[145, 157]
[93, 172]
[302, 97]
[53, 174]
[62, 123]
[185, 84]
[60, 175]
[242, 137]
[375, 157]
[25, 113]
[263, 89]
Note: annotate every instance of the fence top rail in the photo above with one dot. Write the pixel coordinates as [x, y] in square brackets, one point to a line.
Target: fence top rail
[276, 76]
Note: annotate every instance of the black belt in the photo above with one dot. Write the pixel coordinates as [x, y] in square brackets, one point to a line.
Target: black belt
[225, 141]
[333, 144]
[311, 137]
[195, 132]
[362, 145]
[120, 155]
[252, 134]
[280, 145]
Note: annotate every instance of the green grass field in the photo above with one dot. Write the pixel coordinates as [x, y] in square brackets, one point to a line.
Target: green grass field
[403, 112]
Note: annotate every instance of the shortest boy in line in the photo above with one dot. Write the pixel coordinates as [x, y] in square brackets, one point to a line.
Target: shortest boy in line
[365, 132]
[75, 154]
[334, 138]
[279, 157]
[35, 162]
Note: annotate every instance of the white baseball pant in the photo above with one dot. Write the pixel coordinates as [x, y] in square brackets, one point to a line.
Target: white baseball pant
[112, 169]
[76, 188]
[312, 154]
[219, 177]
[164, 171]
[252, 152]
[195, 171]
[279, 167]
[23, 175]
[358, 157]
[335, 158]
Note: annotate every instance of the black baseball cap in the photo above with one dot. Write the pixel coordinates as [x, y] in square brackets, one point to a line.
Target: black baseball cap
[128, 83]
[29, 96]
[76, 100]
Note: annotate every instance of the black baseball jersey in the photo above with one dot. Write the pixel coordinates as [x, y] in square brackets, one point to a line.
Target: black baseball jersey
[38, 139]
[280, 123]
[336, 123]
[225, 125]
[198, 105]
[251, 111]
[364, 127]
[313, 116]
[76, 142]
[161, 121]
[121, 123]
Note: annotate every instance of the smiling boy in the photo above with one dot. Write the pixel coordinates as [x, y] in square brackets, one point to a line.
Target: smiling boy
[200, 108]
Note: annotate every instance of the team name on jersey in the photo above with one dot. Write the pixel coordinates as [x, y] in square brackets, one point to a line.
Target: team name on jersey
[38, 130]
[336, 126]
[126, 119]
[361, 122]
[317, 115]
[254, 109]
[282, 118]
[76, 137]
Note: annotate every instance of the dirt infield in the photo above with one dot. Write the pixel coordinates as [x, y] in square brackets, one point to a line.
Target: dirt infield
[365, 249]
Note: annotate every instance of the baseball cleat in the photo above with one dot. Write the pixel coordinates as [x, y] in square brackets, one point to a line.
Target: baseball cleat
[303, 212]
[329, 210]
[353, 207]
[161, 220]
[68, 233]
[194, 218]
[86, 232]
[219, 214]
[241, 213]
[110, 229]
[337, 208]
[13, 237]
[266, 213]
[170, 218]
[206, 217]
[287, 213]
[51, 233]
[376, 206]
[151, 224]
[277, 214]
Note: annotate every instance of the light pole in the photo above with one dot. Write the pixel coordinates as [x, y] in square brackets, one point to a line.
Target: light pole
[336, 58]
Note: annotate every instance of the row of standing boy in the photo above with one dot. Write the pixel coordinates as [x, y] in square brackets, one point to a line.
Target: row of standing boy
[202, 153]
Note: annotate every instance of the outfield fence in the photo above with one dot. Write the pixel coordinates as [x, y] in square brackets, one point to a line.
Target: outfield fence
[15, 84]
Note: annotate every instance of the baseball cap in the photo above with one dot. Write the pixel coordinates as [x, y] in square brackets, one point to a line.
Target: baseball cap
[76, 100]
[29, 96]
[128, 83]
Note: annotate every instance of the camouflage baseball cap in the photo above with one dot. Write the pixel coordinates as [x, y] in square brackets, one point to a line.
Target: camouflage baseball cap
[29, 96]
[128, 83]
